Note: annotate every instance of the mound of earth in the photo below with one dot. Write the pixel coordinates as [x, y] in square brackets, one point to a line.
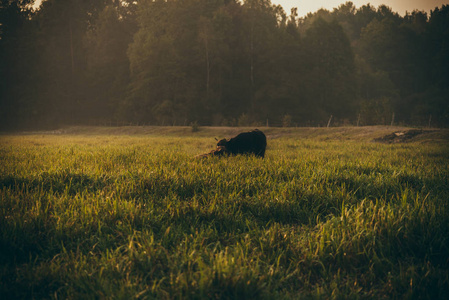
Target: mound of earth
[401, 136]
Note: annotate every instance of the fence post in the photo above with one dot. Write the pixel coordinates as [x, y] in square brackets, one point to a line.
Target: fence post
[329, 122]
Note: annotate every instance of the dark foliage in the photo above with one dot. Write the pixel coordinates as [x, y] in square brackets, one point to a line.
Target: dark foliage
[220, 63]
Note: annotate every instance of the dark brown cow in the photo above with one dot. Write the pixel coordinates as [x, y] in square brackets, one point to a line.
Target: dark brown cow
[252, 142]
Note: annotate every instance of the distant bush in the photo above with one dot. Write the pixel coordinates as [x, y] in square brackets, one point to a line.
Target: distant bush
[195, 126]
[244, 120]
[287, 121]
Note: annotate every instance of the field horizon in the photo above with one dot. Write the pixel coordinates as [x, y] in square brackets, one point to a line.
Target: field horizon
[361, 133]
[127, 212]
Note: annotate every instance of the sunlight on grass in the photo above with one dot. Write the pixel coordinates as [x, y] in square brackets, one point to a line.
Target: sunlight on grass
[137, 216]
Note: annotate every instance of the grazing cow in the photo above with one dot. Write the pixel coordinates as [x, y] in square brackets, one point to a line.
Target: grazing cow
[252, 142]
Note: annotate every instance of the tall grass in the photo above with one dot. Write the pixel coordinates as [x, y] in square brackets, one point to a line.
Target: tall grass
[138, 217]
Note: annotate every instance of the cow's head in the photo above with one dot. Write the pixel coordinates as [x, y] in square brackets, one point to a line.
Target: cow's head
[222, 143]
[221, 150]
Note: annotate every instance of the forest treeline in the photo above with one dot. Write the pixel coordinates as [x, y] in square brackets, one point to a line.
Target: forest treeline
[220, 62]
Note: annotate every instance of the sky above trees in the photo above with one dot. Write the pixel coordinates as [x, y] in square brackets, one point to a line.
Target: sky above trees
[400, 6]
[311, 6]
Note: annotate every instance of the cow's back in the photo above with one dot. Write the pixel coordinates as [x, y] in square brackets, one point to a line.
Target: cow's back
[248, 142]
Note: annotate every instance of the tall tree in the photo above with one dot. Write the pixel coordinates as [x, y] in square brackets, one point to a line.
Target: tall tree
[437, 36]
[331, 70]
[62, 58]
[107, 73]
[17, 56]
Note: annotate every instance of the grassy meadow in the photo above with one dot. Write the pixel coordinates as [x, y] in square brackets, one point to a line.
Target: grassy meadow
[129, 213]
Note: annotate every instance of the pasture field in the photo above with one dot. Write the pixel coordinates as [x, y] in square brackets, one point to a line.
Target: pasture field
[127, 213]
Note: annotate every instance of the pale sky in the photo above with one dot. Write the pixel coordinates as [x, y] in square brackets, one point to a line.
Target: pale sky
[399, 6]
[306, 6]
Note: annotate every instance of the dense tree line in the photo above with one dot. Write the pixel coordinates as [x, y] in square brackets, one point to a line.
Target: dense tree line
[220, 62]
